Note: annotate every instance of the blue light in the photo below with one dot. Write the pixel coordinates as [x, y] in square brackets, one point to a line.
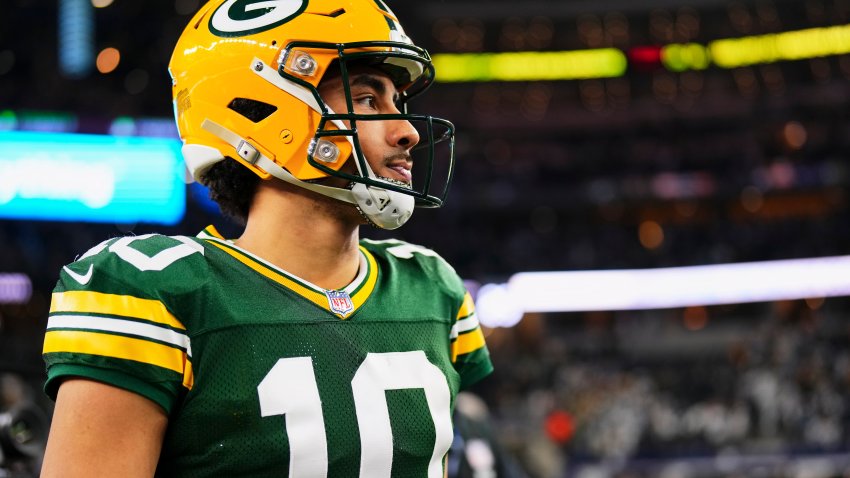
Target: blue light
[201, 195]
[76, 37]
[76, 177]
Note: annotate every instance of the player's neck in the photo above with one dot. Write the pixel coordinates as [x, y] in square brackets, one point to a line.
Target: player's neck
[313, 238]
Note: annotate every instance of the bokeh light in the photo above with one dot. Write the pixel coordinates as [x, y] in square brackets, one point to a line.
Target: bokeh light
[108, 60]
[651, 235]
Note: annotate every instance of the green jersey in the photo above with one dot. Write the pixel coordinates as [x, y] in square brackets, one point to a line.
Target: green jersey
[264, 374]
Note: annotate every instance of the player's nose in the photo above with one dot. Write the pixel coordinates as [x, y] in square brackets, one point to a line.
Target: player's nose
[402, 134]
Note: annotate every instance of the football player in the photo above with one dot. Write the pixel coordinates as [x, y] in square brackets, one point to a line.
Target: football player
[296, 349]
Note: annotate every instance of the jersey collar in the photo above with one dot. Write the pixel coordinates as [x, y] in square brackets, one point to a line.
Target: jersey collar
[341, 302]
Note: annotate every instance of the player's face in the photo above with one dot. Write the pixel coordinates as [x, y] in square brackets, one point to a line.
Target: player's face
[386, 144]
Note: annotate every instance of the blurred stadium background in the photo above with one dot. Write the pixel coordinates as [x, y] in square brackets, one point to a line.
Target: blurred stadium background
[594, 135]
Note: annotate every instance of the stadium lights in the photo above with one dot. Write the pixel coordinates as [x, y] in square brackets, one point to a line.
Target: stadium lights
[98, 178]
[680, 57]
[531, 65]
[611, 62]
[38, 121]
[15, 288]
[76, 38]
[794, 45]
[673, 287]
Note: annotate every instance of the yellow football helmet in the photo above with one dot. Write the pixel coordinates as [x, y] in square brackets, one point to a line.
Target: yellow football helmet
[245, 76]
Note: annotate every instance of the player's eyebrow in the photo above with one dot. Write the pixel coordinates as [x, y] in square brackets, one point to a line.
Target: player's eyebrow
[371, 81]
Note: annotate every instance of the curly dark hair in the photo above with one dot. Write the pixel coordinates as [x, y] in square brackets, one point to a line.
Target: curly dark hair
[232, 186]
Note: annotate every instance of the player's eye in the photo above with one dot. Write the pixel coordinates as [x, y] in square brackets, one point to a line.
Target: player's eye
[369, 101]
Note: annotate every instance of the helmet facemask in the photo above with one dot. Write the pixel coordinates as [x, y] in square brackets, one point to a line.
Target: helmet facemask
[410, 69]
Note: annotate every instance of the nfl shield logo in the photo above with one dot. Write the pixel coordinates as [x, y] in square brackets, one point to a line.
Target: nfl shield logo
[339, 302]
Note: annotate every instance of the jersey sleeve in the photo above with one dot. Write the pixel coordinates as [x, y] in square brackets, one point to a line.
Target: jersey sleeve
[469, 351]
[110, 322]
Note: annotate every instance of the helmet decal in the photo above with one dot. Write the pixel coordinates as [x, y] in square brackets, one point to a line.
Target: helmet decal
[243, 17]
[389, 17]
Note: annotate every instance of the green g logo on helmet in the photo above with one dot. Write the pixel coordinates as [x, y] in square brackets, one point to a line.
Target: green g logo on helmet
[235, 18]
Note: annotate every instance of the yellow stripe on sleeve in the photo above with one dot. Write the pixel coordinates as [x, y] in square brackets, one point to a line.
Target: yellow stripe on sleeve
[112, 304]
[467, 308]
[116, 346]
[189, 376]
[467, 343]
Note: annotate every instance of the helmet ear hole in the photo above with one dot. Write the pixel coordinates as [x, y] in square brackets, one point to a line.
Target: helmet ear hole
[254, 110]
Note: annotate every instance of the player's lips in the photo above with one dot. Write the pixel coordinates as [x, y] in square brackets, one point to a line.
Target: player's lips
[401, 170]
[402, 174]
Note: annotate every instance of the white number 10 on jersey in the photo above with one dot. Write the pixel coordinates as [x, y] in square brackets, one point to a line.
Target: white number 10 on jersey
[290, 389]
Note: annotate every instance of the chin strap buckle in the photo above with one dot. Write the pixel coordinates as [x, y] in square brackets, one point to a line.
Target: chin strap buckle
[248, 152]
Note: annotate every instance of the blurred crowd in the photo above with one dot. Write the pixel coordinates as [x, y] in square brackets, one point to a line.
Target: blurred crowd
[610, 394]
